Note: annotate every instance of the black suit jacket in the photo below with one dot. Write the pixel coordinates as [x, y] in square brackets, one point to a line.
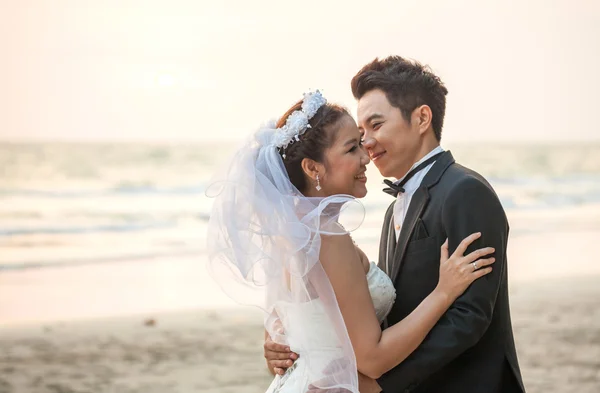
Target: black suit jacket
[471, 349]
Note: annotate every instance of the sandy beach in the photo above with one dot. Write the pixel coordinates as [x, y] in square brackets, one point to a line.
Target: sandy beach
[164, 326]
[202, 351]
[557, 328]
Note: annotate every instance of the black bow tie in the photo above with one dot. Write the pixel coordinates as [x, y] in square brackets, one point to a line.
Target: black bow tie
[394, 189]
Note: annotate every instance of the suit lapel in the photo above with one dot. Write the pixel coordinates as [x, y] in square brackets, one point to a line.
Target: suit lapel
[387, 245]
[417, 205]
[391, 247]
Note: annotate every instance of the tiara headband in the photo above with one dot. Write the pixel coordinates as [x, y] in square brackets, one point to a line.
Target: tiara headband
[297, 122]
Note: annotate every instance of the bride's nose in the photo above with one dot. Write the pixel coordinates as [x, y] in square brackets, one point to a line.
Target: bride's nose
[365, 159]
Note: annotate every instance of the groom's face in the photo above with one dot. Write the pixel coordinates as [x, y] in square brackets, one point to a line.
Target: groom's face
[391, 141]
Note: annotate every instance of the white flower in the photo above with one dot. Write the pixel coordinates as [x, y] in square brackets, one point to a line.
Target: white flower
[297, 123]
[312, 102]
[280, 138]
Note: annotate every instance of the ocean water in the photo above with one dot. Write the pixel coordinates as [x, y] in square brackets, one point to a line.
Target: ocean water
[65, 204]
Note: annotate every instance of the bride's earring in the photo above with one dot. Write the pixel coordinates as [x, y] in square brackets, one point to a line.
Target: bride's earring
[318, 187]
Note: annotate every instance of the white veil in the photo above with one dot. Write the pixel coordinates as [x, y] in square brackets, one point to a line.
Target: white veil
[264, 239]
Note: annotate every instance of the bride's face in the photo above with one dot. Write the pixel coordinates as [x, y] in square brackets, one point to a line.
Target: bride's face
[346, 162]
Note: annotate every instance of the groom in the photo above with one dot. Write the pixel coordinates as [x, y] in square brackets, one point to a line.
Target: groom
[401, 107]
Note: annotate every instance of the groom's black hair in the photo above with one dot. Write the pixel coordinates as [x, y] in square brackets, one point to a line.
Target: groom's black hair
[407, 84]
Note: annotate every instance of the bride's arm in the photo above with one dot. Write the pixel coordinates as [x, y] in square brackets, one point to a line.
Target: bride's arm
[378, 352]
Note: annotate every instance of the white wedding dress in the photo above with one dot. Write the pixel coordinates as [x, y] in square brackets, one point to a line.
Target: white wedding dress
[312, 336]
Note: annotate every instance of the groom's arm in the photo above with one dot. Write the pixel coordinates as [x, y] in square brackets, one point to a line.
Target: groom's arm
[470, 207]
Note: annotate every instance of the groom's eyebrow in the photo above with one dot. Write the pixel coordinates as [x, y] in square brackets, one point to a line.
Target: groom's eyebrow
[349, 141]
[374, 116]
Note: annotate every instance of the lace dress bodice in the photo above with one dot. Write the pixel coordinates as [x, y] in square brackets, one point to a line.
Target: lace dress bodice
[382, 291]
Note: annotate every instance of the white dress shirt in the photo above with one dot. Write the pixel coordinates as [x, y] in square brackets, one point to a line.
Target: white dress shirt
[403, 199]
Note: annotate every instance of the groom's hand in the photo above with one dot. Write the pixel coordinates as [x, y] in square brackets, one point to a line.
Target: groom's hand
[279, 357]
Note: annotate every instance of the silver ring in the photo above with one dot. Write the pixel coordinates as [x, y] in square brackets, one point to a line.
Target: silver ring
[475, 267]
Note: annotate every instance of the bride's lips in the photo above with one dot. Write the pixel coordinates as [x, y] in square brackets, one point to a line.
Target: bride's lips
[376, 156]
[362, 177]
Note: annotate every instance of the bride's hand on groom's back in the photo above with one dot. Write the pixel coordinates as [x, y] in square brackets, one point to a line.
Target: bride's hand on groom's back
[458, 271]
[279, 357]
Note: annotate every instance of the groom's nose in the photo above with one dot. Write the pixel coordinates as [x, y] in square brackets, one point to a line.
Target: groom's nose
[369, 142]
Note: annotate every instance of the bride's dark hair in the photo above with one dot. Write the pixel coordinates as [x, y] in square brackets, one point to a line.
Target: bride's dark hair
[313, 142]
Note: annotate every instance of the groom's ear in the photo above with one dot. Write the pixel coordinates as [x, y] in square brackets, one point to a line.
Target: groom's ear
[312, 168]
[422, 117]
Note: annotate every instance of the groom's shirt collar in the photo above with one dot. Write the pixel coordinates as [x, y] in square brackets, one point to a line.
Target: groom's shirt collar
[416, 180]
[403, 199]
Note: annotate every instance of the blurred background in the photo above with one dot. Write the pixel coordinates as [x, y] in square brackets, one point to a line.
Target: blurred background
[115, 114]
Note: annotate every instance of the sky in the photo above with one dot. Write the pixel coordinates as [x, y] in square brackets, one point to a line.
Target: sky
[191, 70]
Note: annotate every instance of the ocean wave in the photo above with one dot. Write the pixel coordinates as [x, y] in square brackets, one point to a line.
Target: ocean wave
[75, 230]
[572, 179]
[119, 190]
[63, 262]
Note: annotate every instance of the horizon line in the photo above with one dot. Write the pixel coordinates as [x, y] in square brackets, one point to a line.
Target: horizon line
[180, 141]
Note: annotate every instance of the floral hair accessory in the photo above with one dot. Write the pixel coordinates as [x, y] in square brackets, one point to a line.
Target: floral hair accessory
[297, 123]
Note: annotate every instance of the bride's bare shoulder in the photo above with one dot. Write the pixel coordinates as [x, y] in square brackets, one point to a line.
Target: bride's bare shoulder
[341, 249]
[337, 240]
[334, 246]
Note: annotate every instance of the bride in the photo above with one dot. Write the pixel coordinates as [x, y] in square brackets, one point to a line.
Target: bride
[276, 240]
